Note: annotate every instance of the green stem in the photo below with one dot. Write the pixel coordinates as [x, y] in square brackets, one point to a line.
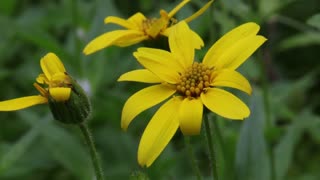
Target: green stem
[211, 148]
[93, 152]
[211, 19]
[266, 100]
[192, 157]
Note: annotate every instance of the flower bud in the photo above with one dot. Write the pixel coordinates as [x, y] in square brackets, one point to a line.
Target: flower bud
[75, 110]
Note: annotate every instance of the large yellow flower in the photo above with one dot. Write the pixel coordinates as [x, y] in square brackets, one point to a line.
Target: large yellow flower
[188, 84]
[138, 28]
[53, 83]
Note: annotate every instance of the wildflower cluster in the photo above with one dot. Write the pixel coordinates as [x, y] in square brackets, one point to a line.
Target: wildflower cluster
[185, 84]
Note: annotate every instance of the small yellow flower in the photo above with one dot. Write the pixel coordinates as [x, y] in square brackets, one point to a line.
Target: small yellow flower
[53, 83]
[188, 85]
[138, 28]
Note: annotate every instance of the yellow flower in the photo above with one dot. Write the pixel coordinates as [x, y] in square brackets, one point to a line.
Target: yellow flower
[55, 80]
[188, 85]
[138, 28]
[67, 100]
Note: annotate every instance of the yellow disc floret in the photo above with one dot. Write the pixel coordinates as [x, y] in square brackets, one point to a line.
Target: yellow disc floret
[195, 80]
[154, 26]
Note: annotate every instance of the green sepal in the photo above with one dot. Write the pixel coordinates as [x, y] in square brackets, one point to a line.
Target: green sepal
[73, 111]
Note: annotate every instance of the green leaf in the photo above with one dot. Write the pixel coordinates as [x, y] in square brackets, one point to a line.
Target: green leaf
[252, 159]
[19, 148]
[65, 148]
[269, 7]
[300, 40]
[283, 152]
[7, 6]
[290, 92]
[314, 21]
[68, 151]
[43, 40]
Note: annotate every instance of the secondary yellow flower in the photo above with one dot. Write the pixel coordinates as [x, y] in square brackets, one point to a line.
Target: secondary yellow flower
[138, 28]
[53, 83]
[188, 84]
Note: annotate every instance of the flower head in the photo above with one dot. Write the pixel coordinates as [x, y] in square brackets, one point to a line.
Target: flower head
[139, 28]
[189, 85]
[57, 88]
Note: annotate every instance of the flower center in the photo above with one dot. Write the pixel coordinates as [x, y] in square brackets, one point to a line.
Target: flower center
[195, 80]
[60, 80]
[152, 27]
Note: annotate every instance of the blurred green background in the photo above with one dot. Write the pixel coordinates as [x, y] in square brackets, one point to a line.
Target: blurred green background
[280, 140]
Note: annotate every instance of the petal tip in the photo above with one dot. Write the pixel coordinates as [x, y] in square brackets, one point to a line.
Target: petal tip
[106, 20]
[87, 50]
[124, 125]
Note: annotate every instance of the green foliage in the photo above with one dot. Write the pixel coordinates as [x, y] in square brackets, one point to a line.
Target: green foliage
[252, 154]
[280, 140]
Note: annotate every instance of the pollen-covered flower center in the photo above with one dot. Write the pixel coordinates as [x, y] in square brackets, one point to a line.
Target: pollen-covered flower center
[194, 80]
[146, 24]
[153, 26]
[60, 80]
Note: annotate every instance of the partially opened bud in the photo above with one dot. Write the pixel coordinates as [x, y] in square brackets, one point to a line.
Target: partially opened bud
[67, 100]
[75, 109]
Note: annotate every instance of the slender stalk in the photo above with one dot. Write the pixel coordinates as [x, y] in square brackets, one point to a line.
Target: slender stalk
[218, 134]
[265, 92]
[93, 152]
[267, 112]
[211, 148]
[211, 19]
[191, 155]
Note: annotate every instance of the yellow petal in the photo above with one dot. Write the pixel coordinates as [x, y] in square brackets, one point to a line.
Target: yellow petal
[141, 75]
[225, 104]
[59, 78]
[159, 132]
[121, 22]
[181, 41]
[190, 116]
[240, 52]
[167, 57]
[233, 79]
[124, 42]
[60, 94]
[111, 38]
[167, 31]
[162, 63]
[177, 8]
[21, 103]
[42, 79]
[197, 42]
[199, 12]
[142, 100]
[51, 65]
[137, 19]
[228, 40]
[196, 39]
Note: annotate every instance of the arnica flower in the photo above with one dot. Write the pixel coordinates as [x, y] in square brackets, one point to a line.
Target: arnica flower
[65, 97]
[139, 28]
[189, 85]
